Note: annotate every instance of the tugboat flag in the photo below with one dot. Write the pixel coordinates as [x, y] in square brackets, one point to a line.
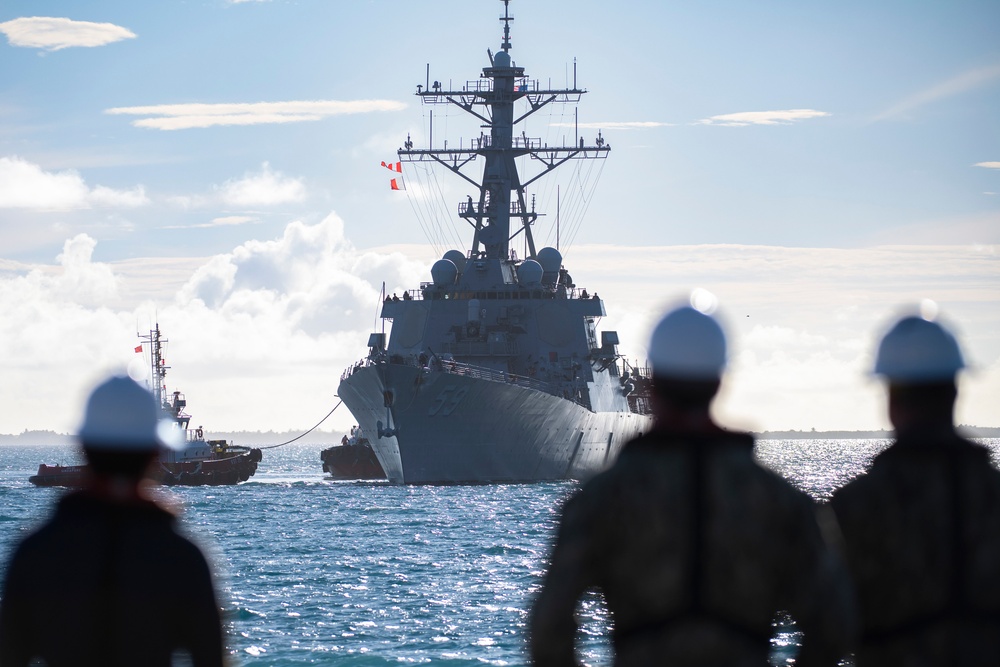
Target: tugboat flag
[138, 348]
[395, 186]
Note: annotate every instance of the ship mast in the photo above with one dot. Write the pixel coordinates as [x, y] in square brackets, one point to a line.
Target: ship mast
[158, 367]
[501, 193]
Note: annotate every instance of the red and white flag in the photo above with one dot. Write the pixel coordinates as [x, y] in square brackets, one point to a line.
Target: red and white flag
[395, 185]
[138, 348]
[393, 166]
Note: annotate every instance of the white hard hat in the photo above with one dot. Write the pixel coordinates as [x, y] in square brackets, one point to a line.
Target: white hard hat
[689, 345]
[123, 416]
[916, 350]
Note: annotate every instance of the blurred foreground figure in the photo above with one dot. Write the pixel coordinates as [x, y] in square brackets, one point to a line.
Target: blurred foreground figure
[695, 547]
[922, 527]
[108, 580]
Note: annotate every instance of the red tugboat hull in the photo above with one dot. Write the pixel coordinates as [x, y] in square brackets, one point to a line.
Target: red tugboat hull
[232, 469]
[352, 461]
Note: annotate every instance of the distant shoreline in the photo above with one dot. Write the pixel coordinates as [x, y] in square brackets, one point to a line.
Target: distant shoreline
[328, 438]
[965, 430]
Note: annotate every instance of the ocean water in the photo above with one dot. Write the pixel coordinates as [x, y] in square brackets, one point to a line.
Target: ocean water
[317, 572]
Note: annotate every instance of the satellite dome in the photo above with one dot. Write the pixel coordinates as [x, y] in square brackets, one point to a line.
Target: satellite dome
[501, 59]
[529, 273]
[550, 259]
[457, 257]
[444, 272]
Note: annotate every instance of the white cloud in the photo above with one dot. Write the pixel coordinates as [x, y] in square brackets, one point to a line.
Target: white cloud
[223, 221]
[954, 86]
[200, 115]
[988, 165]
[743, 118]
[102, 196]
[229, 220]
[277, 320]
[615, 125]
[53, 34]
[24, 184]
[55, 317]
[264, 188]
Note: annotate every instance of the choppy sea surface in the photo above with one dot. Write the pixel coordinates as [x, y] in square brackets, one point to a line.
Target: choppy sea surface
[313, 571]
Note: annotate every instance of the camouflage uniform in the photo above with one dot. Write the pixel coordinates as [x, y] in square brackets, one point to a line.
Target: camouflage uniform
[696, 548]
[922, 534]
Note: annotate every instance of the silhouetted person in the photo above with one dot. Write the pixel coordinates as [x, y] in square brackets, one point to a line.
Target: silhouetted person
[108, 580]
[922, 527]
[695, 547]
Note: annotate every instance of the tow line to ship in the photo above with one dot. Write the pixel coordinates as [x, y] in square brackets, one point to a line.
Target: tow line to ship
[307, 432]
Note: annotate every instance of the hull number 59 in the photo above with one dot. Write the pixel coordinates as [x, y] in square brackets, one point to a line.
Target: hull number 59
[447, 400]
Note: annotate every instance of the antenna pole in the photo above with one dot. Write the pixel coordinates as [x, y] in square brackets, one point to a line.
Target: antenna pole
[506, 18]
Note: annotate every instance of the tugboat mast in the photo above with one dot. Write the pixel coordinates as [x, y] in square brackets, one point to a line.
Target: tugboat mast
[157, 365]
[501, 193]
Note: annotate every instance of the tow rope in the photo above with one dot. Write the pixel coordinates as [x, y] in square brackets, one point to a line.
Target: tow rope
[307, 432]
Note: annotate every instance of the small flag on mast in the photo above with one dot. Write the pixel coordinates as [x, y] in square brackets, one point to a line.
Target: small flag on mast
[394, 185]
[393, 166]
[138, 348]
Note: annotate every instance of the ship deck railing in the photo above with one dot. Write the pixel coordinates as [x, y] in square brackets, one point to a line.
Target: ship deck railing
[428, 291]
[477, 372]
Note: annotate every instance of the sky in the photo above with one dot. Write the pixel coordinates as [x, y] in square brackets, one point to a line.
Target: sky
[213, 165]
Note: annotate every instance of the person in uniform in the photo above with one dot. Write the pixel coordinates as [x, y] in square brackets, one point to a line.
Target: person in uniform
[108, 580]
[695, 547]
[922, 527]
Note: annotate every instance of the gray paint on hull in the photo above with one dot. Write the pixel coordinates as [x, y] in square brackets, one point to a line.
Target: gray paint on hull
[454, 429]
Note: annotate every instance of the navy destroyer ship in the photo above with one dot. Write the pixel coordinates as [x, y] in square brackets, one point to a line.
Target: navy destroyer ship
[495, 371]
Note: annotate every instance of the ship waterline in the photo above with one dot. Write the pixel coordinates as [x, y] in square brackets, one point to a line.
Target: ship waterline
[451, 428]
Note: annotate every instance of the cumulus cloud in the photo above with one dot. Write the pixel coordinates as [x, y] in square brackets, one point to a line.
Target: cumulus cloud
[275, 320]
[24, 184]
[264, 188]
[988, 165]
[200, 115]
[743, 118]
[55, 317]
[53, 34]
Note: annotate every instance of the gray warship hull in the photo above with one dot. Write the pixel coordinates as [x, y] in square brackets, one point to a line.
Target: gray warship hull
[454, 429]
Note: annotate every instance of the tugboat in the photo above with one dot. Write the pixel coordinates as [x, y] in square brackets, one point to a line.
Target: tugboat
[353, 458]
[494, 371]
[202, 461]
